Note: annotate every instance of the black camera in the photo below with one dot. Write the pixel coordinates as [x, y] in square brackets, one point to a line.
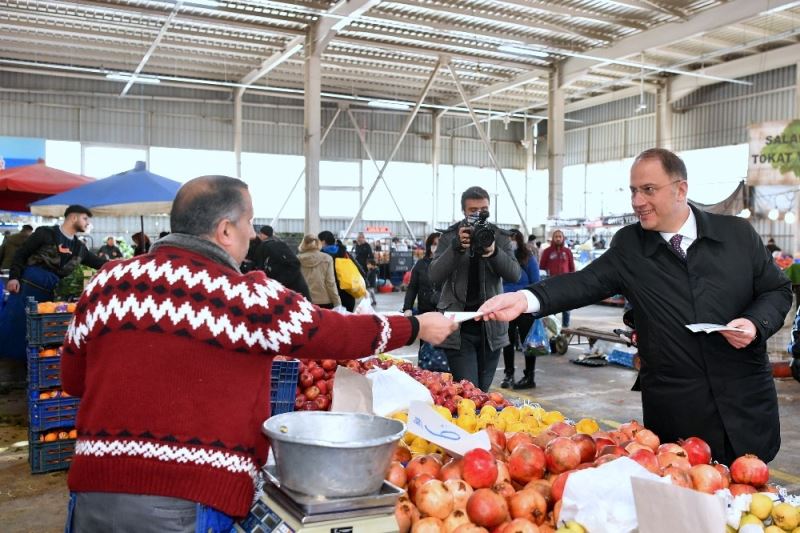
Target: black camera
[482, 233]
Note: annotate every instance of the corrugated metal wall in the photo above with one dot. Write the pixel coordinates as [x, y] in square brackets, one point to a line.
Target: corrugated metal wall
[90, 111]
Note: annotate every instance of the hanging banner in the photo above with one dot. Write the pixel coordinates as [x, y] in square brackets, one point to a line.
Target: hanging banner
[774, 157]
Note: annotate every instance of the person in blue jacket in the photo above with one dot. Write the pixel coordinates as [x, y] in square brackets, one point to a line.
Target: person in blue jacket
[519, 327]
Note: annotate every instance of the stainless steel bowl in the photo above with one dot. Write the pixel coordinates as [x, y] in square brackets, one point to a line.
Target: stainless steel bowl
[332, 454]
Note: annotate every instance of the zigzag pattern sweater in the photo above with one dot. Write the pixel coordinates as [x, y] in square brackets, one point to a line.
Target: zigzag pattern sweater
[171, 355]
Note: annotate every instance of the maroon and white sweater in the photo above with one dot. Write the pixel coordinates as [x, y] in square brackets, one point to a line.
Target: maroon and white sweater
[171, 354]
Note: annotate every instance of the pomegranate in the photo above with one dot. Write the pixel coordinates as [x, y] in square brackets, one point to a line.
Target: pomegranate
[562, 454]
[607, 458]
[530, 504]
[406, 515]
[526, 462]
[557, 511]
[517, 439]
[600, 443]
[585, 445]
[479, 468]
[563, 429]
[397, 475]
[647, 459]
[502, 473]
[456, 518]
[557, 489]
[671, 447]
[619, 451]
[741, 488]
[697, 450]
[505, 489]
[751, 470]
[544, 438]
[619, 437]
[496, 437]
[648, 438]
[666, 459]
[634, 446]
[679, 477]
[414, 484]
[769, 487]
[487, 508]
[433, 499]
[705, 478]
[542, 486]
[470, 528]
[630, 429]
[401, 454]
[724, 472]
[461, 492]
[423, 464]
[451, 470]
[520, 525]
[428, 525]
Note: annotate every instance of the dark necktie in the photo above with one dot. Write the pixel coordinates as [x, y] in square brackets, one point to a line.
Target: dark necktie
[675, 243]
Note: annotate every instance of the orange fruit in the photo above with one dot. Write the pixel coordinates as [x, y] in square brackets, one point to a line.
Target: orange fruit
[73, 434]
[47, 307]
[64, 394]
[44, 395]
[49, 352]
[50, 437]
[71, 307]
[62, 435]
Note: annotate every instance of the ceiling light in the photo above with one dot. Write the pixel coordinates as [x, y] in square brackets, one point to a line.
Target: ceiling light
[789, 217]
[744, 213]
[389, 104]
[123, 76]
[522, 51]
[204, 3]
[773, 214]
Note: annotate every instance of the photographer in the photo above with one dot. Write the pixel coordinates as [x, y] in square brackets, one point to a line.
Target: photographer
[471, 262]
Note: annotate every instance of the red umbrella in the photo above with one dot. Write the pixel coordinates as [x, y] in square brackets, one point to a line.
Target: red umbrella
[19, 186]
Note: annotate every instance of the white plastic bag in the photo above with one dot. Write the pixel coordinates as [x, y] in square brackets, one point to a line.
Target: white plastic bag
[393, 390]
[601, 499]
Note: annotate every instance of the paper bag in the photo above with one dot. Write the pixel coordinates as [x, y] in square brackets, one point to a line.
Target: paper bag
[352, 392]
[393, 390]
[666, 508]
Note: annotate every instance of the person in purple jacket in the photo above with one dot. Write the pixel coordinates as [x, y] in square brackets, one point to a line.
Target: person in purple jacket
[519, 327]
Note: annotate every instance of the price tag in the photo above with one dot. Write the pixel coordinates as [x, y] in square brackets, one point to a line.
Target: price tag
[428, 424]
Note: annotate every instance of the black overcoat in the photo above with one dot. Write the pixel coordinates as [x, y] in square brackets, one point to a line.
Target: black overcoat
[694, 383]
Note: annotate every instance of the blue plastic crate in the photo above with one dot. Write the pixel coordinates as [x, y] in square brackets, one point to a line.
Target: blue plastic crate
[283, 385]
[49, 456]
[45, 328]
[52, 412]
[618, 357]
[43, 372]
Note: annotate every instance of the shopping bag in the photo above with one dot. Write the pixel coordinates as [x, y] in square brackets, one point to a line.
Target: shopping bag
[537, 342]
[432, 358]
[350, 279]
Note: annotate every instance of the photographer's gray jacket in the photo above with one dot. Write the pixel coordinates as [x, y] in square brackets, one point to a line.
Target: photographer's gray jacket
[451, 269]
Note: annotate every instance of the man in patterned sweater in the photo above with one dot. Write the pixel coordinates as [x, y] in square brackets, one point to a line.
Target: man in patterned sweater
[171, 353]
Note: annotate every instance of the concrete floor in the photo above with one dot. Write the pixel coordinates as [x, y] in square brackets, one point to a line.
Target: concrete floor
[37, 503]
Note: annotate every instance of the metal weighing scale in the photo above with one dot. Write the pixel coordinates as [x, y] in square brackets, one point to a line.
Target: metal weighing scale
[282, 510]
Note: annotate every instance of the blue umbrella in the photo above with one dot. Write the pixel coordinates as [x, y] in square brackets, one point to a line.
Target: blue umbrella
[134, 192]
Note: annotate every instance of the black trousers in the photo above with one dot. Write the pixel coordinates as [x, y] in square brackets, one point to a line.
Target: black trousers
[518, 329]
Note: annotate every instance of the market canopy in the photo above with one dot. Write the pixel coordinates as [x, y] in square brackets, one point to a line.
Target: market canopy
[19, 186]
[134, 192]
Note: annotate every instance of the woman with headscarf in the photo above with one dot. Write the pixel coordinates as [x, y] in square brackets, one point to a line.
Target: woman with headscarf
[317, 269]
[519, 327]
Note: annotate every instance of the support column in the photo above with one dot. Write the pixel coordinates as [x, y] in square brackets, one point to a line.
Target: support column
[312, 112]
[555, 143]
[663, 117]
[237, 129]
[436, 153]
[795, 232]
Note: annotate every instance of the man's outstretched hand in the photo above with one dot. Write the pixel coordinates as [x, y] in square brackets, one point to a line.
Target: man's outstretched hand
[740, 339]
[504, 307]
[435, 327]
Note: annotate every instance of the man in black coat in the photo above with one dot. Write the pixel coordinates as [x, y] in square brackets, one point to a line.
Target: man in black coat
[680, 266]
[279, 262]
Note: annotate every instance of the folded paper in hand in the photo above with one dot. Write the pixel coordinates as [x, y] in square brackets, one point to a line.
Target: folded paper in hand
[710, 328]
[462, 316]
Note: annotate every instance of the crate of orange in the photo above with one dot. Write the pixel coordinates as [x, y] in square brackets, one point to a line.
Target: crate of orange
[44, 368]
[51, 451]
[47, 322]
[51, 409]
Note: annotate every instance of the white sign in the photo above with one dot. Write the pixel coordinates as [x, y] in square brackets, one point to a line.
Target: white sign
[423, 421]
[774, 157]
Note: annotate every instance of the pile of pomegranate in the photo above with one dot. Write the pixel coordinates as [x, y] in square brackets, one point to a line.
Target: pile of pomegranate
[517, 486]
[315, 383]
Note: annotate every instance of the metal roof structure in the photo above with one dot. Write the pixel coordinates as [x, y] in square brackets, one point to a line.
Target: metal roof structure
[503, 51]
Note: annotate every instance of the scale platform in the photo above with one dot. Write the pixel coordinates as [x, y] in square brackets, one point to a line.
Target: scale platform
[285, 511]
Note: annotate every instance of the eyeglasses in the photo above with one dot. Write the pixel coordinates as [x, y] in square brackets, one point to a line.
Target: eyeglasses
[651, 190]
